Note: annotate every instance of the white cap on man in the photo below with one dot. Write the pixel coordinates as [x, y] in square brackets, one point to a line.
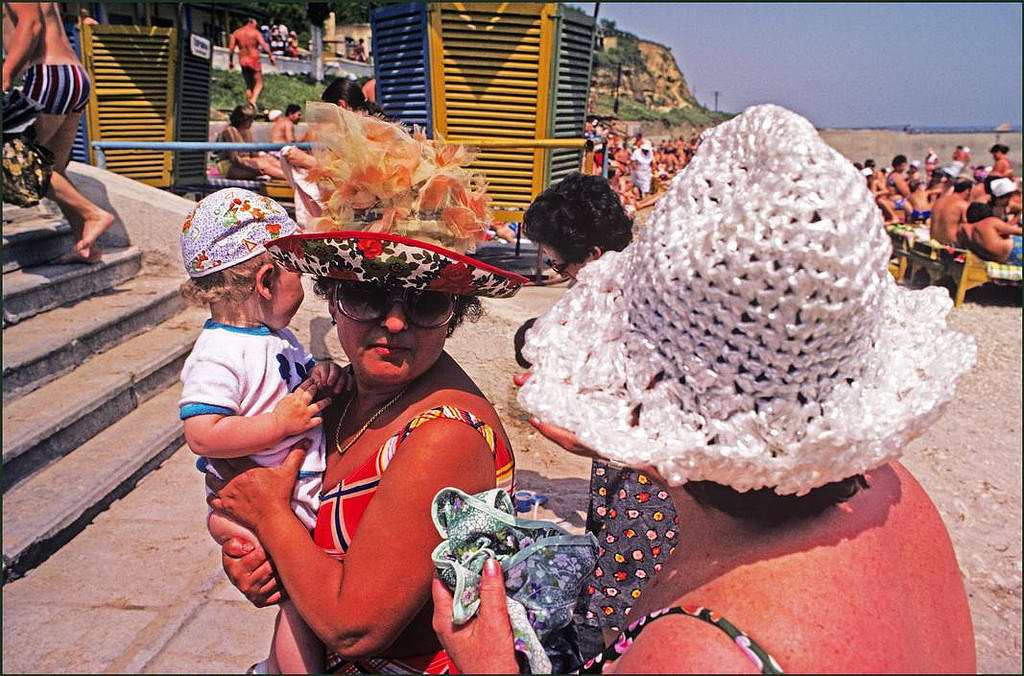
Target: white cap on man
[646, 145]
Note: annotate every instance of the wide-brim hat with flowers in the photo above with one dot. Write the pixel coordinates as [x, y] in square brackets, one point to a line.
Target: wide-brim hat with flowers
[751, 334]
[392, 260]
[397, 209]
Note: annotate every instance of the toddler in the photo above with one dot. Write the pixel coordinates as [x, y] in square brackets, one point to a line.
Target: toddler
[248, 384]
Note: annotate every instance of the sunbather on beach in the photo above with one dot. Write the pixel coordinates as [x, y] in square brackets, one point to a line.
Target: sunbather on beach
[962, 154]
[1006, 202]
[920, 208]
[990, 238]
[1001, 163]
[896, 183]
[950, 212]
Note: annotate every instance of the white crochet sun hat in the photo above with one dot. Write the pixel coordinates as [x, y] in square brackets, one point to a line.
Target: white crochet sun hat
[751, 335]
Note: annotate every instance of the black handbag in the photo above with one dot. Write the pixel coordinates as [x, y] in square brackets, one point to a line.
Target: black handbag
[27, 165]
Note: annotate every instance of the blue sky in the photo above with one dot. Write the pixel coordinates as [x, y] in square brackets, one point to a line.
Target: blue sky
[844, 65]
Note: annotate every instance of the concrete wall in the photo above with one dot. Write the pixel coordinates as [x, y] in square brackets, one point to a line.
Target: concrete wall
[286, 64]
[145, 217]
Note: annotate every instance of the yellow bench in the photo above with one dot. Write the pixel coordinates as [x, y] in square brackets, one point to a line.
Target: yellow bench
[932, 263]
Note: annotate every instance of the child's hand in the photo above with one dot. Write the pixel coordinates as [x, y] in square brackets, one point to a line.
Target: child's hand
[329, 377]
[297, 412]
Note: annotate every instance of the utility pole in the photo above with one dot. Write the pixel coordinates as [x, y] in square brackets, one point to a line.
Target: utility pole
[716, 100]
[618, 80]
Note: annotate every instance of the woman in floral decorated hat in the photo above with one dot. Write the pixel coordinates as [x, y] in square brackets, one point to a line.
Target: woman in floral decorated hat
[387, 259]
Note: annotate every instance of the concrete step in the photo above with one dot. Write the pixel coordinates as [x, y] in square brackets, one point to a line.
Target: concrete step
[32, 291]
[50, 422]
[28, 242]
[42, 348]
[43, 513]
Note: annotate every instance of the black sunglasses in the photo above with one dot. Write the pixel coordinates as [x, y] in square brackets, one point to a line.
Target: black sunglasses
[560, 268]
[370, 303]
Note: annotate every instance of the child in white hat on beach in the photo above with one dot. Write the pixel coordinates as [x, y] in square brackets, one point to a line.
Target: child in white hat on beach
[250, 387]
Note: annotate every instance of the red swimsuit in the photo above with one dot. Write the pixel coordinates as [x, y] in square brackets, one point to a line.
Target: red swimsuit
[342, 508]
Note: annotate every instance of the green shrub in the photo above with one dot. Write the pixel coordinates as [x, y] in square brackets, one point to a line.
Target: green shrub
[227, 90]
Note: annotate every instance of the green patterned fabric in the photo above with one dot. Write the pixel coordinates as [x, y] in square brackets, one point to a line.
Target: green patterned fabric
[1003, 271]
[544, 566]
[27, 167]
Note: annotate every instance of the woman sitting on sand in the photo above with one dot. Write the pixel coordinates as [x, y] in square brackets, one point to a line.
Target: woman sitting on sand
[741, 350]
[414, 424]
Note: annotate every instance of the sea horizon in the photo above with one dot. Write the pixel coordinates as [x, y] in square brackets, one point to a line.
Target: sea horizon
[933, 129]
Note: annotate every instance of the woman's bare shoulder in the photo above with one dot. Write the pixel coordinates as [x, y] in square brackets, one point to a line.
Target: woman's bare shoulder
[874, 585]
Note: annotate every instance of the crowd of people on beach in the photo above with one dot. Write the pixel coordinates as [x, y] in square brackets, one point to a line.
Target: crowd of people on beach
[638, 170]
[280, 40]
[970, 207]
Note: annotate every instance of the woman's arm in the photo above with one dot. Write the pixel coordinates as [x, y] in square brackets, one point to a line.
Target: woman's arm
[361, 606]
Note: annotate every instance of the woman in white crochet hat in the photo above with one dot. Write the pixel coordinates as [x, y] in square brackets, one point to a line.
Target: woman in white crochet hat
[389, 262]
[751, 350]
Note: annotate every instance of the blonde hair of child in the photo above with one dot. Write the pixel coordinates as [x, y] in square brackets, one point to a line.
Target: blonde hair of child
[232, 284]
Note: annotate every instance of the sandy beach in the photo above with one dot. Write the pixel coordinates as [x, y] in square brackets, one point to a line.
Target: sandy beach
[881, 145]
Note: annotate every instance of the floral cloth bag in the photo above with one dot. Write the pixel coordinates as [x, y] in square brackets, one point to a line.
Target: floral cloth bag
[544, 567]
[27, 165]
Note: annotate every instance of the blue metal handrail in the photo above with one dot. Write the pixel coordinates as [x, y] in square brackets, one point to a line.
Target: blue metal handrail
[175, 146]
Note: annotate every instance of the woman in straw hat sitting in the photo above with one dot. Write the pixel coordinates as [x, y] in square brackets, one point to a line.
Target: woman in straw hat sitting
[386, 258]
[751, 350]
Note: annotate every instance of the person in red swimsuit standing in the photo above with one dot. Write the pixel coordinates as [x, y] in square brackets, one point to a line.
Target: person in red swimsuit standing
[248, 41]
[415, 423]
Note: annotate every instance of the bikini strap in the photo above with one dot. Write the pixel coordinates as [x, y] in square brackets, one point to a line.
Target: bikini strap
[765, 663]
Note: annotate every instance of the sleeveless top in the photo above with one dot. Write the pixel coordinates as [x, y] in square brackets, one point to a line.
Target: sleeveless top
[764, 662]
[342, 508]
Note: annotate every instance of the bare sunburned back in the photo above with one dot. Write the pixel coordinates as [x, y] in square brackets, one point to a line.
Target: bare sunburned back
[283, 131]
[947, 214]
[54, 47]
[870, 586]
[248, 39]
[919, 200]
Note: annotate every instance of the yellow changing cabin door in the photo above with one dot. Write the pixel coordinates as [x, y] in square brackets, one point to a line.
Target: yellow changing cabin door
[491, 78]
[132, 99]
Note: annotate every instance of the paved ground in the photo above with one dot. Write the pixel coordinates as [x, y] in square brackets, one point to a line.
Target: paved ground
[139, 590]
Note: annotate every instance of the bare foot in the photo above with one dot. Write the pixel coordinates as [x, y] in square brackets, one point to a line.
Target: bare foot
[94, 226]
[92, 256]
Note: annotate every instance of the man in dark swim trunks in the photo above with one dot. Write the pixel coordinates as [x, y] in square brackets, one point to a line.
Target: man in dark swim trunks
[55, 90]
[248, 40]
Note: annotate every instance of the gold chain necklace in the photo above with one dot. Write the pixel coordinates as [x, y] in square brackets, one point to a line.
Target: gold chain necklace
[353, 440]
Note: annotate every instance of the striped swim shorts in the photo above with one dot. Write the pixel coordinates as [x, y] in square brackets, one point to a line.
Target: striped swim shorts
[57, 89]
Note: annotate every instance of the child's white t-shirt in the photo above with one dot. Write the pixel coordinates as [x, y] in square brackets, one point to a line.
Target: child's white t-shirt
[246, 371]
